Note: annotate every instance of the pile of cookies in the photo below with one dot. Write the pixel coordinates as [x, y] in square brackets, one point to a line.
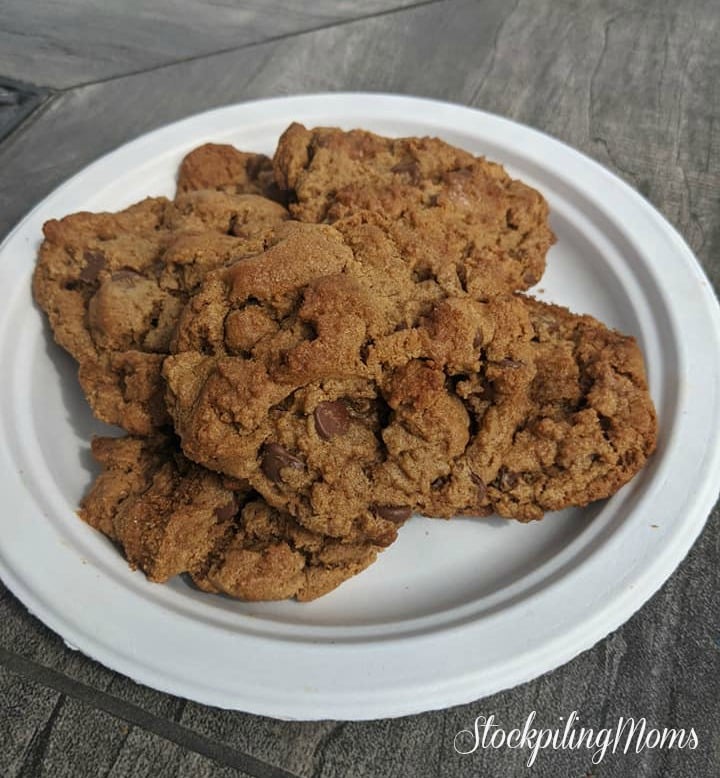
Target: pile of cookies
[305, 351]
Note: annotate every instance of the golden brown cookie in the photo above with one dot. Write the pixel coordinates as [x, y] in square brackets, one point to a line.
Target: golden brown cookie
[350, 393]
[591, 424]
[113, 286]
[326, 373]
[336, 373]
[171, 516]
[225, 168]
[587, 426]
[457, 217]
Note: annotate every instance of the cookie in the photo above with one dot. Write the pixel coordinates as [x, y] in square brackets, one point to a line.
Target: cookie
[592, 423]
[587, 427]
[326, 373]
[350, 393]
[171, 517]
[223, 167]
[113, 286]
[457, 217]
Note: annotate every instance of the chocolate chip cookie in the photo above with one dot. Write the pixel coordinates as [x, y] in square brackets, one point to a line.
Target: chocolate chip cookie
[171, 516]
[113, 286]
[349, 392]
[457, 217]
[327, 373]
[330, 375]
[587, 427]
[591, 425]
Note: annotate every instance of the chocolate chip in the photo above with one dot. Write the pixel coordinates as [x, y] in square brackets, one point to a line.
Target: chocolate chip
[478, 340]
[127, 278]
[410, 168]
[331, 419]
[226, 511]
[396, 513]
[404, 167]
[438, 483]
[275, 458]
[530, 279]
[507, 479]
[482, 489]
[94, 263]
[512, 363]
[463, 174]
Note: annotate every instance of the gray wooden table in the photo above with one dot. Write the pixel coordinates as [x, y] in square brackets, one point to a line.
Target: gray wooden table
[632, 84]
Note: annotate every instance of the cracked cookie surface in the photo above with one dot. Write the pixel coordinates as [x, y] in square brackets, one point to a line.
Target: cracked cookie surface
[350, 394]
[330, 376]
[113, 285]
[588, 424]
[171, 517]
[591, 424]
[457, 217]
[326, 373]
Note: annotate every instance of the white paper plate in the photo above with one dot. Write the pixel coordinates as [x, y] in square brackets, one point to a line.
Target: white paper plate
[454, 610]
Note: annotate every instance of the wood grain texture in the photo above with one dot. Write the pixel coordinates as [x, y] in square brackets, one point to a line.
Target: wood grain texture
[77, 41]
[17, 101]
[84, 741]
[75, 695]
[25, 710]
[47, 734]
[146, 756]
[633, 84]
[77, 740]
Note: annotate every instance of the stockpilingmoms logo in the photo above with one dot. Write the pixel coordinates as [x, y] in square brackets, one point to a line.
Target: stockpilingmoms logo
[629, 735]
